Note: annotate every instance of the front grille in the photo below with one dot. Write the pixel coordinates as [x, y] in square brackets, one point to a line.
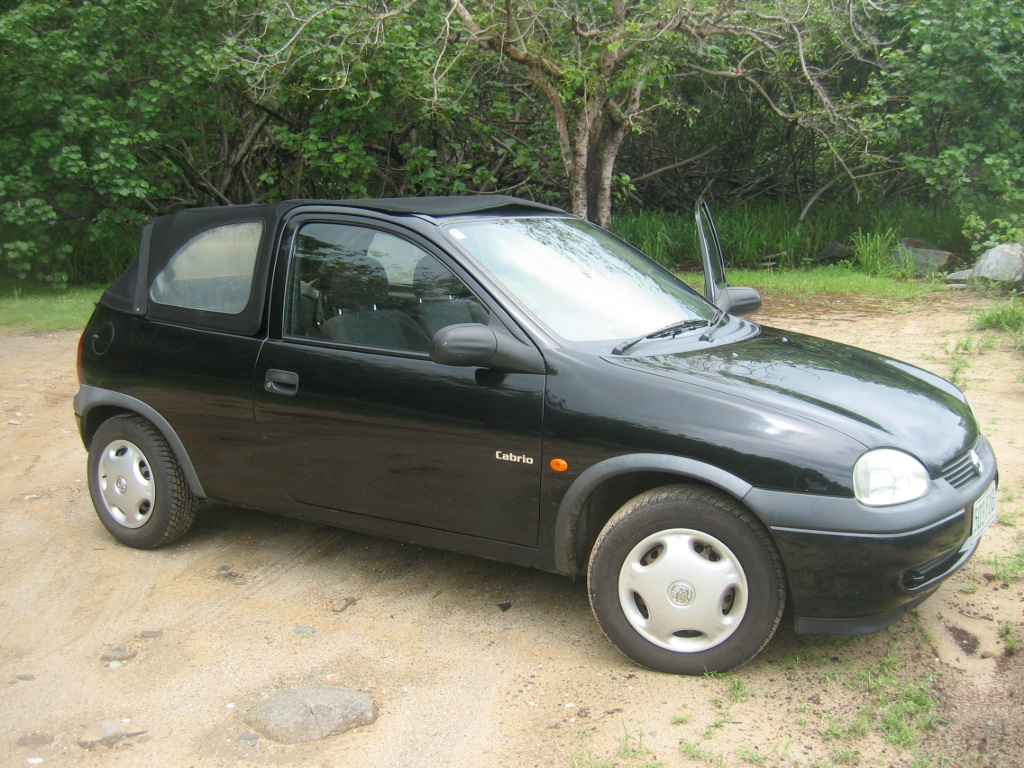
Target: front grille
[961, 470]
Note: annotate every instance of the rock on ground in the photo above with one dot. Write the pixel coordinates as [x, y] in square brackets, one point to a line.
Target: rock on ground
[106, 733]
[309, 714]
[1003, 264]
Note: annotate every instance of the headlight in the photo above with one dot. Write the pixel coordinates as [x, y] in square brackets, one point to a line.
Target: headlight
[885, 476]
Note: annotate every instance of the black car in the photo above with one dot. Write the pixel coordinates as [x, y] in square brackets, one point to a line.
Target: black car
[500, 378]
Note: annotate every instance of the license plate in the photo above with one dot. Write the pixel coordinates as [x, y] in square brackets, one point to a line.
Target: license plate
[984, 511]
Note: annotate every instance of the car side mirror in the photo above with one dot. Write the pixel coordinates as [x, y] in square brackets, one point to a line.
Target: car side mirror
[739, 300]
[734, 299]
[476, 345]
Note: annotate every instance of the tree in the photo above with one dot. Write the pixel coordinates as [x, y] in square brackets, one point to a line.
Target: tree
[603, 66]
[950, 108]
[113, 109]
[364, 101]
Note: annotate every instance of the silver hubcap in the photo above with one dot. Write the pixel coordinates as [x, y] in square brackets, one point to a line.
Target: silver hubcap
[683, 590]
[126, 484]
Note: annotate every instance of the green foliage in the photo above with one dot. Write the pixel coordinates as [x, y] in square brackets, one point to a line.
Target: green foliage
[116, 110]
[104, 104]
[952, 108]
[879, 254]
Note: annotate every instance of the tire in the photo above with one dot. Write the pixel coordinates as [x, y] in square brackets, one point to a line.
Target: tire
[685, 580]
[136, 484]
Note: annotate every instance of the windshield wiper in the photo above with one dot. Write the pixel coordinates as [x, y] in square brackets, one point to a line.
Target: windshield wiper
[672, 329]
[713, 325]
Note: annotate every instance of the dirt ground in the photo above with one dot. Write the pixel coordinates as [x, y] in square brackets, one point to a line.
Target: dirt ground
[472, 663]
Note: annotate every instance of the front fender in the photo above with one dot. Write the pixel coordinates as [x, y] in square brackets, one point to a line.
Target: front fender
[567, 521]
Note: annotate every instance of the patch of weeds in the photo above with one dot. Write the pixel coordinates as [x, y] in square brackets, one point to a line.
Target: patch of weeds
[1010, 567]
[958, 358]
[722, 718]
[1011, 643]
[581, 755]
[633, 752]
[877, 677]
[958, 363]
[751, 755]
[964, 346]
[837, 729]
[933, 761]
[738, 690]
[694, 750]
[901, 709]
[681, 719]
[848, 756]
[780, 748]
[970, 586]
[1009, 512]
[910, 711]
[1008, 317]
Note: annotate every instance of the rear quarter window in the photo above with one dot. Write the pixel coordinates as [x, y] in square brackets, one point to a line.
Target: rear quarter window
[213, 271]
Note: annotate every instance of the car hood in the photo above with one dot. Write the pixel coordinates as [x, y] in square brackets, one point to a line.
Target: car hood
[873, 399]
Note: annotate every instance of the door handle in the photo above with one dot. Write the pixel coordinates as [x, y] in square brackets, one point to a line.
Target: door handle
[281, 382]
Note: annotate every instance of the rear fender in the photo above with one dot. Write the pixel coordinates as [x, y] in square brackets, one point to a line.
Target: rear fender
[90, 399]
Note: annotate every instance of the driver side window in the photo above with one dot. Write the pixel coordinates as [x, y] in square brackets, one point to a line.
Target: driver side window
[369, 288]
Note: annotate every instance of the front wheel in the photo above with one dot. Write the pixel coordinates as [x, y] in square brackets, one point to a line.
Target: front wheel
[136, 484]
[685, 580]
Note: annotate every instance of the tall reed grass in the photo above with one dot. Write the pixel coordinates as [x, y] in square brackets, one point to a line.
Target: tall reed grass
[763, 233]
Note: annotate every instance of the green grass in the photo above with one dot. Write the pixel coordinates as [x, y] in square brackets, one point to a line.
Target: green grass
[1008, 317]
[902, 709]
[755, 233]
[1009, 568]
[873, 253]
[821, 285]
[633, 752]
[28, 306]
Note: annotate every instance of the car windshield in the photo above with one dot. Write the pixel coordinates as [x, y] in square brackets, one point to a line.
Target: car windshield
[581, 283]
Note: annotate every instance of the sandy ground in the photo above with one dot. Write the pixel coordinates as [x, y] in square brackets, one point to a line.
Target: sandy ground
[243, 606]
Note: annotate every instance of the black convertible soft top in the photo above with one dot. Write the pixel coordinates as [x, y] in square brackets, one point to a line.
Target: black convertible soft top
[163, 236]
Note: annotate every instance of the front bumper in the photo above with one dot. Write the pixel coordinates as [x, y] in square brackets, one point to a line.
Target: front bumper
[859, 569]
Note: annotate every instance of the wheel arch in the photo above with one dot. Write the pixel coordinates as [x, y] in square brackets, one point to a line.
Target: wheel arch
[94, 406]
[604, 487]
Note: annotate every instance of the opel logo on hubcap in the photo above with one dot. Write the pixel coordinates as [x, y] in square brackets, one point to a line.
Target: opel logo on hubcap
[121, 485]
[682, 593]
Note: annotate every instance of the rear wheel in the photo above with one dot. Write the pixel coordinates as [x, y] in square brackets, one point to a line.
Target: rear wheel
[136, 484]
[685, 580]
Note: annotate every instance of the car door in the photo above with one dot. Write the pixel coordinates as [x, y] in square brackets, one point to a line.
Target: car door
[353, 415]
